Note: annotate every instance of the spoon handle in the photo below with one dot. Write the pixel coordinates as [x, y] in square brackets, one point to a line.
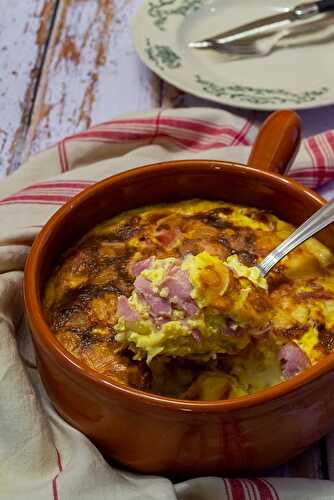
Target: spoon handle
[320, 219]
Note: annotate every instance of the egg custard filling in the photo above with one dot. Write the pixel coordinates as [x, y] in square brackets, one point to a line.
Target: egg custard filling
[195, 306]
[168, 299]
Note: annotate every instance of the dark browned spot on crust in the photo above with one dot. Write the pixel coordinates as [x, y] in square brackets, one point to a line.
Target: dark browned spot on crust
[225, 242]
[295, 332]
[264, 219]
[87, 338]
[226, 210]
[71, 317]
[163, 226]
[247, 258]
[120, 233]
[116, 270]
[214, 219]
[78, 299]
[326, 338]
[259, 300]
[155, 217]
[81, 260]
[126, 231]
[239, 239]
[277, 278]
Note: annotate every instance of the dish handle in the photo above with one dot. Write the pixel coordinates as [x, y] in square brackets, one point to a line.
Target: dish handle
[277, 142]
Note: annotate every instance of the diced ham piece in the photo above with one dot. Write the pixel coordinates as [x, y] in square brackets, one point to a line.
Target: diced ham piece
[143, 286]
[168, 237]
[179, 290]
[177, 283]
[190, 307]
[125, 310]
[159, 308]
[293, 360]
[197, 335]
[140, 266]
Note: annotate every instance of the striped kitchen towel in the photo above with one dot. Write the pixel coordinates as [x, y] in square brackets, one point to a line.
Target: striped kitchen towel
[41, 456]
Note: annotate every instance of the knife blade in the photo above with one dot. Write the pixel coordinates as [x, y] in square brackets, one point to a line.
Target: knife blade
[262, 26]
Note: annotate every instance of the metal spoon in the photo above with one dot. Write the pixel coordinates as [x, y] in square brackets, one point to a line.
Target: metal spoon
[319, 220]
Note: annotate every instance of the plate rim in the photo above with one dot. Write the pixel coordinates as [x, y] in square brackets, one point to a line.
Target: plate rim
[138, 38]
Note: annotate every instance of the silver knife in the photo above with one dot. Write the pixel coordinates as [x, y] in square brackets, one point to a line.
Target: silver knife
[266, 25]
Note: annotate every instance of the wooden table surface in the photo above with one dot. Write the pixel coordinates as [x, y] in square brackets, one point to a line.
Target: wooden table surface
[69, 64]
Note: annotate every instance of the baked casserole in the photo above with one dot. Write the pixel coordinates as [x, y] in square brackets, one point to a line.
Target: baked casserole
[168, 299]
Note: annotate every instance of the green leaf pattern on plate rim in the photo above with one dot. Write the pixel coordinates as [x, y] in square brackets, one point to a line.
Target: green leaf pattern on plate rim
[255, 95]
[162, 55]
[163, 9]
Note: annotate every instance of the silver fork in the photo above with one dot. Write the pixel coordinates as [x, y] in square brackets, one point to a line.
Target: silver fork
[262, 46]
[319, 220]
[258, 47]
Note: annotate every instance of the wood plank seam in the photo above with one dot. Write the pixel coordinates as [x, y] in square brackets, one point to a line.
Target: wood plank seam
[43, 58]
[31, 30]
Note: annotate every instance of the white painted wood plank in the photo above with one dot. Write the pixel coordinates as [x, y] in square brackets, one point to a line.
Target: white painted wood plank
[24, 28]
[91, 72]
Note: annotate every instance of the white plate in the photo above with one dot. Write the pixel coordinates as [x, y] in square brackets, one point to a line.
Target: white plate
[299, 74]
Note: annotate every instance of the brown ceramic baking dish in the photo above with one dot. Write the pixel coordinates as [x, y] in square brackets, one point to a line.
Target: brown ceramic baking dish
[151, 433]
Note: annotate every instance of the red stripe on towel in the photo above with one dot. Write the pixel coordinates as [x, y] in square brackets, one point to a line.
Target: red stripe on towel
[206, 128]
[318, 158]
[262, 489]
[54, 480]
[36, 199]
[237, 490]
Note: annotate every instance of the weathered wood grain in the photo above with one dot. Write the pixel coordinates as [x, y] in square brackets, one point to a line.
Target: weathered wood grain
[91, 71]
[24, 29]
